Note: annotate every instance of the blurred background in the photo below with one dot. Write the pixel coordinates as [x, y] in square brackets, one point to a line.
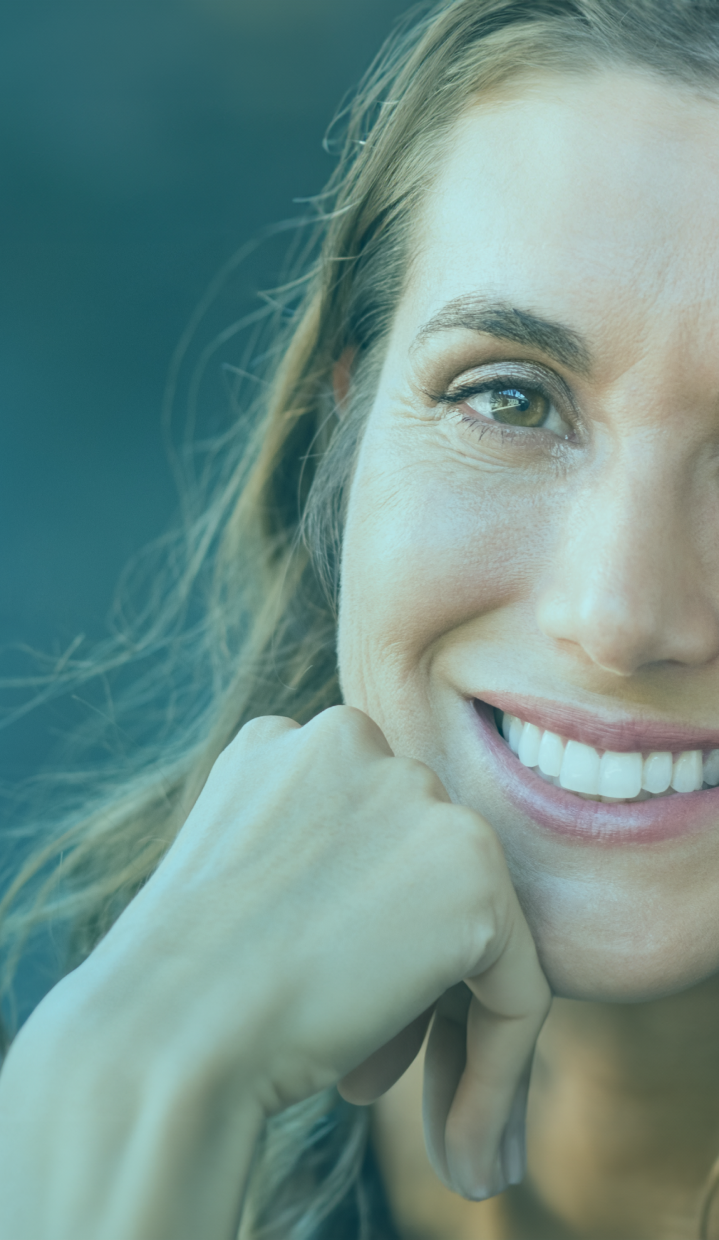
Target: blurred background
[141, 143]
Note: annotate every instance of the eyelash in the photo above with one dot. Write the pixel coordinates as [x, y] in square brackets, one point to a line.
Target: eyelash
[477, 425]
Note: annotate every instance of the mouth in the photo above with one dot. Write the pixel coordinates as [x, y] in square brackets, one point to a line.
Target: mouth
[598, 792]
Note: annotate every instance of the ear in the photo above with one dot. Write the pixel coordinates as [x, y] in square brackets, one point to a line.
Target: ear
[342, 377]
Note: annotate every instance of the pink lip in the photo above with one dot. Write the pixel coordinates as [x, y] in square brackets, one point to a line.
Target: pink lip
[563, 813]
[620, 736]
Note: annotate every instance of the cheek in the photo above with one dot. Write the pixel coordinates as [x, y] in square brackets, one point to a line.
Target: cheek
[427, 550]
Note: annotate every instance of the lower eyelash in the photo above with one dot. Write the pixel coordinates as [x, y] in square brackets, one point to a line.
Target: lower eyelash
[479, 427]
[451, 403]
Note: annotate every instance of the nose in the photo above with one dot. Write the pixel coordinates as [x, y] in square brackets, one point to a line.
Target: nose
[630, 583]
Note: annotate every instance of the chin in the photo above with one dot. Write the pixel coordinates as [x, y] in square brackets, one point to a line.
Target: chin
[586, 958]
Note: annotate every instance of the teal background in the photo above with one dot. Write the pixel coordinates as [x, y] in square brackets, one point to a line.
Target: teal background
[141, 143]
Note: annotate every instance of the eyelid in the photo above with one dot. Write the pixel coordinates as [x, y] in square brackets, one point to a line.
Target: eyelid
[492, 373]
[528, 375]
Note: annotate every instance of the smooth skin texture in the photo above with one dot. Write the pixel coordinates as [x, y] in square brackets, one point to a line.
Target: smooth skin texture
[579, 564]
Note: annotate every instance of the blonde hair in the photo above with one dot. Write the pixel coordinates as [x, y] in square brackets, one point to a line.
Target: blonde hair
[249, 602]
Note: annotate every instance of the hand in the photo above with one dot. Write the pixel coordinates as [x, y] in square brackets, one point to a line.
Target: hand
[368, 903]
[322, 903]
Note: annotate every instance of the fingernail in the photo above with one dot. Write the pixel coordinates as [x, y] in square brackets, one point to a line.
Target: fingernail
[513, 1153]
[513, 1146]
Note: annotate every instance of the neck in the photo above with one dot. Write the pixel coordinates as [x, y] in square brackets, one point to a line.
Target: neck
[623, 1129]
[625, 1113]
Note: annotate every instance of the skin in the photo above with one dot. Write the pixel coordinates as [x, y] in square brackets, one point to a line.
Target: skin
[584, 571]
[336, 886]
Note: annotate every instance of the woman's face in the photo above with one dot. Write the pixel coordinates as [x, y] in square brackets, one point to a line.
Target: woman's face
[534, 519]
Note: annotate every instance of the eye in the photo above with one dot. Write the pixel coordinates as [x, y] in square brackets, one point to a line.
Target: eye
[512, 398]
[516, 406]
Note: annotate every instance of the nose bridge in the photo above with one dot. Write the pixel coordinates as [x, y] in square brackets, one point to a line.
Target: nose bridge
[626, 584]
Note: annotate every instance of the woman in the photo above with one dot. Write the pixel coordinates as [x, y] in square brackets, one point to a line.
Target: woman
[477, 521]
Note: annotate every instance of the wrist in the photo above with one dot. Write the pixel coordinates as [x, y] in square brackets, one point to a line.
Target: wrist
[96, 1144]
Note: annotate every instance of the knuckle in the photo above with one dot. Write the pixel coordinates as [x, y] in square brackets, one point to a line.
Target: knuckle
[255, 733]
[480, 839]
[420, 777]
[263, 728]
[466, 843]
[224, 763]
[351, 722]
[331, 719]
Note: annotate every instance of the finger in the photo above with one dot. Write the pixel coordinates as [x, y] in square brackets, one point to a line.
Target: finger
[256, 732]
[482, 1123]
[264, 728]
[484, 1138]
[354, 724]
[379, 1071]
[444, 1064]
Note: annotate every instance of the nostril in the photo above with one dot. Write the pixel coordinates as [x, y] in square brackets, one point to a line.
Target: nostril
[624, 630]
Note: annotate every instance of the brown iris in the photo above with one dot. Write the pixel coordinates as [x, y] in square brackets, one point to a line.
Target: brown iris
[518, 406]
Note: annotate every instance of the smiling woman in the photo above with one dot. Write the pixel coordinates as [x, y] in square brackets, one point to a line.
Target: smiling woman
[462, 753]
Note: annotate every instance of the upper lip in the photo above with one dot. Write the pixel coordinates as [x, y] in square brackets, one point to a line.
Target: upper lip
[624, 735]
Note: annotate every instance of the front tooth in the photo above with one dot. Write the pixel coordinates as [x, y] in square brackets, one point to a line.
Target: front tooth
[657, 772]
[711, 768]
[687, 774]
[580, 768]
[620, 775]
[515, 731]
[528, 748]
[551, 753]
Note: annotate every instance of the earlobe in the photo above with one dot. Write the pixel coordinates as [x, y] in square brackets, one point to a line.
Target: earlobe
[342, 377]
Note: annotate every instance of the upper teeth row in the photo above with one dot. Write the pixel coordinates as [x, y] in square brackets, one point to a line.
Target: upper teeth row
[580, 768]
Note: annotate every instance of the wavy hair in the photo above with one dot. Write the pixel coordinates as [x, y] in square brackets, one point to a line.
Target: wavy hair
[242, 620]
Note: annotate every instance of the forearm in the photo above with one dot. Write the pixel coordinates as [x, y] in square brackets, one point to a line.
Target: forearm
[95, 1151]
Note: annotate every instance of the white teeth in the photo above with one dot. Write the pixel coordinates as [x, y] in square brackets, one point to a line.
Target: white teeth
[711, 768]
[657, 773]
[515, 731]
[620, 775]
[529, 744]
[687, 773]
[580, 769]
[551, 753]
[610, 776]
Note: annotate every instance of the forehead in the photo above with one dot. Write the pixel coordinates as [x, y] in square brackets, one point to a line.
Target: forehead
[595, 198]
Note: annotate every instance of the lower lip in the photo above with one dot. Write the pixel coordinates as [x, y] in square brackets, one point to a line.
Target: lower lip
[563, 813]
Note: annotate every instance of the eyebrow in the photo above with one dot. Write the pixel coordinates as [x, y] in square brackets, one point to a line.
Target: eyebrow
[504, 321]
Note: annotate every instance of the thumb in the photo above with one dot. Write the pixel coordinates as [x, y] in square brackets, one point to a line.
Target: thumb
[479, 1057]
